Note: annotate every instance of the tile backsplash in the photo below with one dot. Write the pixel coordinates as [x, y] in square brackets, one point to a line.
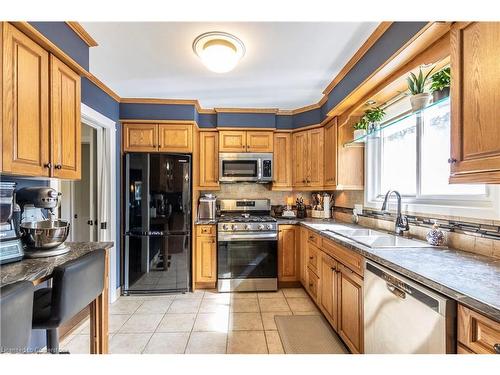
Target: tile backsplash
[257, 191]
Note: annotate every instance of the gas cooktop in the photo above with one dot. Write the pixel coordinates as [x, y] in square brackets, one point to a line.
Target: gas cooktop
[245, 218]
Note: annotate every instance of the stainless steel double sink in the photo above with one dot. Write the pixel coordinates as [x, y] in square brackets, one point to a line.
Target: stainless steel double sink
[377, 239]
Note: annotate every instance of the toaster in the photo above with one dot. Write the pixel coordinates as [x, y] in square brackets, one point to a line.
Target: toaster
[207, 207]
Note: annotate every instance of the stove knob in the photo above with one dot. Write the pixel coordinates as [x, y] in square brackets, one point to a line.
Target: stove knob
[269, 226]
[226, 227]
[248, 227]
[261, 227]
[234, 227]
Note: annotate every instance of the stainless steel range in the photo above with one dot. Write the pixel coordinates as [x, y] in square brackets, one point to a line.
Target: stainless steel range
[247, 240]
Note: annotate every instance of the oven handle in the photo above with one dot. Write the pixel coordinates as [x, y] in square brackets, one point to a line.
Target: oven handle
[247, 237]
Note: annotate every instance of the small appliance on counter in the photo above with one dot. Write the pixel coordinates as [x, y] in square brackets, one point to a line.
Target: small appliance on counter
[207, 207]
[42, 238]
[11, 248]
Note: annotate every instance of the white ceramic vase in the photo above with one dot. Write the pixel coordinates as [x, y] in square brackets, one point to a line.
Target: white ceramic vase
[358, 133]
[420, 101]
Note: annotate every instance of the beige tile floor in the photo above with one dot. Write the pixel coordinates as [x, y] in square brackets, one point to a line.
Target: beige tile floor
[203, 322]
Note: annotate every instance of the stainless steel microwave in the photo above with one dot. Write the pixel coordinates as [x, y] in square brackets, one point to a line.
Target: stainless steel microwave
[245, 167]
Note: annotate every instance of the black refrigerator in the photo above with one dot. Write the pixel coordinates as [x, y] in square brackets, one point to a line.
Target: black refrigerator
[157, 252]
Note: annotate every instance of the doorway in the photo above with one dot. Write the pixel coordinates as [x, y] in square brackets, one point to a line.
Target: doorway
[78, 204]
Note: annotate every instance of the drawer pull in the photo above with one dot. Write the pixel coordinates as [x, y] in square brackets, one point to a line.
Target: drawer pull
[311, 257]
[496, 347]
[48, 165]
[311, 237]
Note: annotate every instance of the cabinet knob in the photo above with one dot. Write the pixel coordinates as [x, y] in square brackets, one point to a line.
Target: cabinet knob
[311, 257]
[58, 166]
[48, 165]
[154, 146]
[496, 347]
[452, 160]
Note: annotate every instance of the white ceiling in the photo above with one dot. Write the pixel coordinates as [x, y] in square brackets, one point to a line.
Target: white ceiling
[287, 64]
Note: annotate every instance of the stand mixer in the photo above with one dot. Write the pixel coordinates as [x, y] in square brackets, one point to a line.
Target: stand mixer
[42, 238]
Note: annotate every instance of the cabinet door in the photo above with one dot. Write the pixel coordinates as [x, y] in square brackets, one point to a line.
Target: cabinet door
[259, 141]
[478, 333]
[232, 141]
[25, 96]
[350, 309]
[315, 154]
[475, 118]
[175, 138]
[209, 159]
[65, 124]
[206, 259]
[288, 257]
[350, 160]
[303, 255]
[313, 285]
[282, 165]
[330, 154]
[140, 137]
[329, 282]
[300, 160]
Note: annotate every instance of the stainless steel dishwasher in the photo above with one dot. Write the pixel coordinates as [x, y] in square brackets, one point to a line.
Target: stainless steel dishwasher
[403, 317]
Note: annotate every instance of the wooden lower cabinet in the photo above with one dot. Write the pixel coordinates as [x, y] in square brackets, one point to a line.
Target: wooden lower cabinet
[313, 285]
[476, 333]
[329, 289]
[288, 254]
[350, 309]
[303, 255]
[205, 257]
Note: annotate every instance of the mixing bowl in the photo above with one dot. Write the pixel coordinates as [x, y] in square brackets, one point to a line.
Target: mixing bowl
[44, 235]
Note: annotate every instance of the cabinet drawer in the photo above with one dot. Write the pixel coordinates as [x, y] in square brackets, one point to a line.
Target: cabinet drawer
[205, 230]
[313, 256]
[312, 284]
[314, 238]
[348, 257]
[478, 333]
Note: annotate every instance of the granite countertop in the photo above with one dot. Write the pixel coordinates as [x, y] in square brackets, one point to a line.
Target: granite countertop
[38, 268]
[470, 279]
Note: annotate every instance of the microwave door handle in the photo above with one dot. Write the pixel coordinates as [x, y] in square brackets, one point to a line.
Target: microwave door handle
[259, 169]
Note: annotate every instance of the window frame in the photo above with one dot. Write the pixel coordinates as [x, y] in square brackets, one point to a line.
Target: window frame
[485, 206]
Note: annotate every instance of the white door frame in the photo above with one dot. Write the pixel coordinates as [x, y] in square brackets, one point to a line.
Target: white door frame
[100, 122]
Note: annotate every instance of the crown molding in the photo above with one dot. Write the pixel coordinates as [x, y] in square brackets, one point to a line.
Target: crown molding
[246, 110]
[377, 33]
[82, 33]
[103, 87]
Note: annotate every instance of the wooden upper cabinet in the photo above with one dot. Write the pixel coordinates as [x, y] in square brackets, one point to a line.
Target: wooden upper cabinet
[25, 108]
[175, 138]
[300, 159]
[232, 141]
[288, 253]
[315, 156]
[65, 124]
[350, 160]
[282, 161]
[475, 117]
[259, 141]
[330, 154]
[140, 137]
[209, 159]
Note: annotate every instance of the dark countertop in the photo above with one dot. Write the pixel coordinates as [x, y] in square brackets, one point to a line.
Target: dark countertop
[470, 279]
[37, 268]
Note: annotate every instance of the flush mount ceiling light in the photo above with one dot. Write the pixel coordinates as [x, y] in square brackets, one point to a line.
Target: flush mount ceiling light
[219, 51]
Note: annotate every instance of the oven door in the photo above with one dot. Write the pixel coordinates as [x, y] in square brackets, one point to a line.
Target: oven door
[238, 167]
[248, 257]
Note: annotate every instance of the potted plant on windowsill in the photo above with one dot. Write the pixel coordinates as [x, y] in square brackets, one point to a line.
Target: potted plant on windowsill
[420, 97]
[373, 117]
[440, 84]
[360, 129]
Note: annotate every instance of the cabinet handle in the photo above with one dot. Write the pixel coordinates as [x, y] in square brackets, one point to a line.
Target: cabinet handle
[311, 238]
[496, 347]
[58, 166]
[452, 160]
[154, 146]
[311, 257]
[333, 269]
[48, 165]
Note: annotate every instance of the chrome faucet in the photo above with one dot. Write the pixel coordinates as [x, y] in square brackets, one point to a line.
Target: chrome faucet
[401, 224]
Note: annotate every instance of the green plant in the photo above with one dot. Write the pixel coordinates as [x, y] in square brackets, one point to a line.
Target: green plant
[440, 80]
[416, 84]
[375, 114]
[362, 124]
